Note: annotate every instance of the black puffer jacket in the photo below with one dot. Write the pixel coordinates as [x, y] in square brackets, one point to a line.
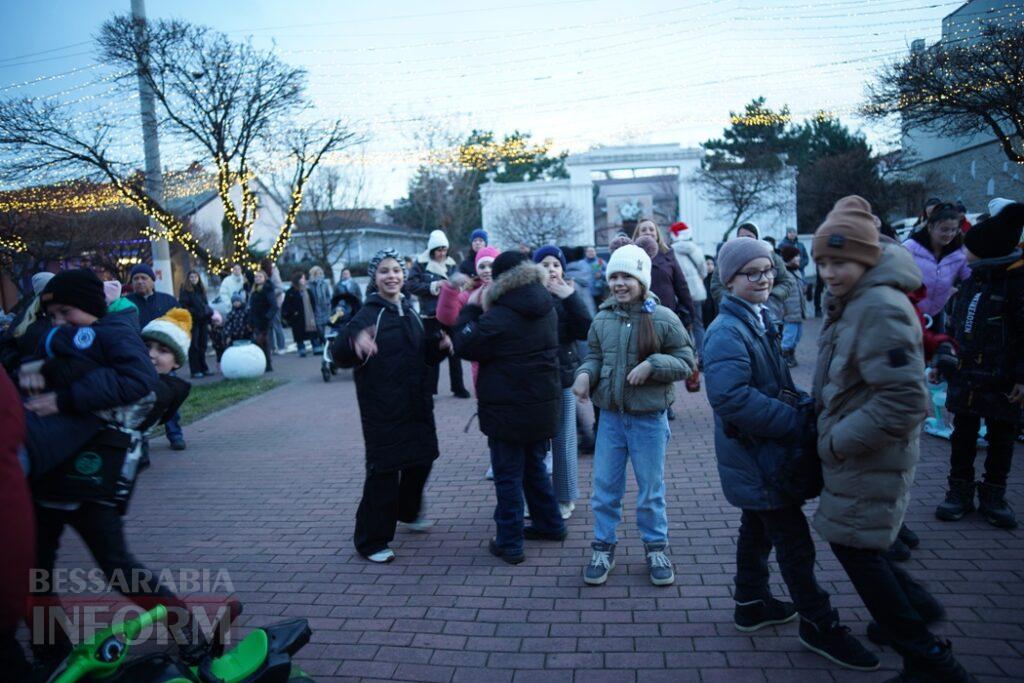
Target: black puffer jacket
[573, 325]
[989, 330]
[394, 387]
[262, 306]
[516, 343]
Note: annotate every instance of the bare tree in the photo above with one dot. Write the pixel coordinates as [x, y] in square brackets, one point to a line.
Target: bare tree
[536, 223]
[959, 89]
[741, 192]
[232, 104]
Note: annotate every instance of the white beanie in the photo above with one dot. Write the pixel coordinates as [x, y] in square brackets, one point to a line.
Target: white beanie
[998, 204]
[631, 260]
[437, 239]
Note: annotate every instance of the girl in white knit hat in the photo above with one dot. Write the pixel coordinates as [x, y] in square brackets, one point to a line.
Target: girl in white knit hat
[637, 350]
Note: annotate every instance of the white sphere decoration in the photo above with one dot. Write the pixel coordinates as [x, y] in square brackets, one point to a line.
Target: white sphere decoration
[243, 360]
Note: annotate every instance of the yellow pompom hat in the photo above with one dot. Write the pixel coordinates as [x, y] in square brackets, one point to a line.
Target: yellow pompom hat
[174, 330]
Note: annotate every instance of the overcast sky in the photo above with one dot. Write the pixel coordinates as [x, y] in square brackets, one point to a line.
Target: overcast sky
[581, 72]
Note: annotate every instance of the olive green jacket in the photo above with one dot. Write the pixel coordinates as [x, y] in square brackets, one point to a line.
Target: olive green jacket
[612, 355]
[871, 399]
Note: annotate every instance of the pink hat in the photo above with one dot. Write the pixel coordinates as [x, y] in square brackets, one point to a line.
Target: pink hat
[489, 253]
[111, 291]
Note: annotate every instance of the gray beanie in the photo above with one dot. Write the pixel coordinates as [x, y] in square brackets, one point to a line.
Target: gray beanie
[737, 253]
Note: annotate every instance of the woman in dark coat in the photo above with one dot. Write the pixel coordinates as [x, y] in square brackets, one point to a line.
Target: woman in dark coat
[299, 311]
[262, 309]
[668, 282]
[394, 358]
[192, 297]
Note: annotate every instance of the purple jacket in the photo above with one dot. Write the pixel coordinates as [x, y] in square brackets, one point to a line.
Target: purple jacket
[940, 276]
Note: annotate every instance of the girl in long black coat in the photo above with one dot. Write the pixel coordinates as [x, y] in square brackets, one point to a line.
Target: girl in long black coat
[192, 297]
[394, 360]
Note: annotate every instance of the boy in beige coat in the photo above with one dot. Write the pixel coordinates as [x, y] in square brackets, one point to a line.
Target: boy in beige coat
[871, 401]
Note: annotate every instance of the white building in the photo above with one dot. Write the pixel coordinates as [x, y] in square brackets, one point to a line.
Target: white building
[610, 185]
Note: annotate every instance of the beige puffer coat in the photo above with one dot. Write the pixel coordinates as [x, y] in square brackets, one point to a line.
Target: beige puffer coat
[871, 399]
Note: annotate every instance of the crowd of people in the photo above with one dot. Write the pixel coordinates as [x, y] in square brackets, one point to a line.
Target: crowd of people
[547, 329]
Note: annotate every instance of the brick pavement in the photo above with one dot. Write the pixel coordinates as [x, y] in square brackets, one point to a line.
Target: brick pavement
[268, 491]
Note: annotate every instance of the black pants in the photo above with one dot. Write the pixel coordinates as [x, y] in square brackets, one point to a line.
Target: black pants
[819, 288]
[302, 335]
[1001, 435]
[197, 350]
[786, 530]
[103, 533]
[261, 338]
[388, 498]
[889, 593]
[432, 327]
[519, 470]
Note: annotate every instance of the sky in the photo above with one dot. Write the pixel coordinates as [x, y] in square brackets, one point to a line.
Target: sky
[581, 73]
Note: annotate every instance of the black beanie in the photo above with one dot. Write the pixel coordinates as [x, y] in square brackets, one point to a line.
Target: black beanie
[997, 235]
[79, 288]
[506, 261]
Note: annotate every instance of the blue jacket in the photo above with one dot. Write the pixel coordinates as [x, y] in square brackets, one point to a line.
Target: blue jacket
[743, 370]
[153, 306]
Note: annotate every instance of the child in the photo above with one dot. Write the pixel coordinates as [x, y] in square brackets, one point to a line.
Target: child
[637, 349]
[794, 308]
[513, 335]
[871, 400]
[236, 325]
[573, 325]
[394, 357]
[988, 325]
[745, 374]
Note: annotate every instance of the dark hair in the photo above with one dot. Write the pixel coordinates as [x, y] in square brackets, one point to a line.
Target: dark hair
[646, 338]
[198, 286]
[297, 276]
[943, 212]
[267, 266]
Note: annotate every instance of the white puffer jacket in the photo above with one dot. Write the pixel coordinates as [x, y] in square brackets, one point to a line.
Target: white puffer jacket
[691, 261]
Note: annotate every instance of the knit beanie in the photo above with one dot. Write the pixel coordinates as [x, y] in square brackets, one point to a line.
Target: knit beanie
[39, 281]
[482, 234]
[997, 235]
[79, 288]
[998, 204]
[618, 241]
[145, 270]
[788, 252]
[174, 330]
[111, 291]
[648, 244]
[751, 227]
[238, 296]
[738, 252]
[436, 240]
[485, 254]
[549, 250]
[631, 260]
[386, 253]
[506, 262]
[848, 233]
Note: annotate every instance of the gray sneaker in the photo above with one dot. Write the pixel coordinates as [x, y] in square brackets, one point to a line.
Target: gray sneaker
[658, 564]
[601, 563]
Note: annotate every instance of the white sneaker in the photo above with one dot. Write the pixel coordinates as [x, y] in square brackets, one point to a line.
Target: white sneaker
[382, 556]
[420, 525]
[566, 509]
[549, 463]
[490, 474]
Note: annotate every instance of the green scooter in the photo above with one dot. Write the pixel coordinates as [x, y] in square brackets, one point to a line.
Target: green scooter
[263, 656]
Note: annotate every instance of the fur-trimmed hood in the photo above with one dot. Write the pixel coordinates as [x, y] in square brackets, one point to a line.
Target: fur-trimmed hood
[432, 266]
[521, 289]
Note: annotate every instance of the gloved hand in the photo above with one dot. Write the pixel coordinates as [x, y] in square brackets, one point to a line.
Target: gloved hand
[945, 361]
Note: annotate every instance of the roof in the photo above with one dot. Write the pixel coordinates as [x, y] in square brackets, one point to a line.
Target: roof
[349, 219]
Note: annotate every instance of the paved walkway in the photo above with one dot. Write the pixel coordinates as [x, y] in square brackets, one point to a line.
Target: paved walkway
[268, 491]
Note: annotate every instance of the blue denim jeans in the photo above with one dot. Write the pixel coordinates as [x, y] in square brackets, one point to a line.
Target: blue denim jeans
[173, 429]
[641, 439]
[791, 335]
[519, 470]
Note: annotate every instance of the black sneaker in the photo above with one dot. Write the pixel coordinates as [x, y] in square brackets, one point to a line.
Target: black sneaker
[959, 501]
[178, 445]
[930, 609]
[602, 561]
[756, 614]
[461, 393]
[898, 551]
[833, 641]
[511, 558]
[937, 665]
[532, 533]
[909, 537]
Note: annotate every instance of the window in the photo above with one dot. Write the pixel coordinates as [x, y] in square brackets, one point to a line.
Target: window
[974, 169]
[990, 189]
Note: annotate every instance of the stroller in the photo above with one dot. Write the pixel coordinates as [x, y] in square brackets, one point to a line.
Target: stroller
[345, 306]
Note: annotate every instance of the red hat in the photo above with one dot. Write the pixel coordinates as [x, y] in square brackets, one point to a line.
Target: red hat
[677, 228]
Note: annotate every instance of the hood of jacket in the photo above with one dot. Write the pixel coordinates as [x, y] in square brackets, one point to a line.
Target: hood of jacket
[522, 289]
[896, 269]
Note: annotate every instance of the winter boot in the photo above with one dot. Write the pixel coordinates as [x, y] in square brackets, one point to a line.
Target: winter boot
[938, 665]
[959, 501]
[909, 537]
[790, 357]
[833, 641]
[898, 551]
[993, 506]
[930, 610]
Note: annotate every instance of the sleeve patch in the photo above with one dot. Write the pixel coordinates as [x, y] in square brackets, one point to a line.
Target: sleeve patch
[898, 358]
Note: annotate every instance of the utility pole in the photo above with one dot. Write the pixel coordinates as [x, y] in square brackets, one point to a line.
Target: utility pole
[154, 173]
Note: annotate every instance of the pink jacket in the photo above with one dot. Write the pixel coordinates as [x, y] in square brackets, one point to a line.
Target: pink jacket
[449, 304]
[940, 276]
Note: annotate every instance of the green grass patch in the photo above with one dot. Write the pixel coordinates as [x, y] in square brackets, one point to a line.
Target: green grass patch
[209, 398]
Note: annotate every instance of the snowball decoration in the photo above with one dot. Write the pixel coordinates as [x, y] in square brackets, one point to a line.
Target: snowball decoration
[243, 360]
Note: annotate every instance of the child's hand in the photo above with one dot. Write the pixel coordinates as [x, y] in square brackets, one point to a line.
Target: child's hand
[43, 405]
[1017, 394]
[31, 382]
[363, 343]
[581, 387]
[446, 343]
[560, 288]
[640, 374]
